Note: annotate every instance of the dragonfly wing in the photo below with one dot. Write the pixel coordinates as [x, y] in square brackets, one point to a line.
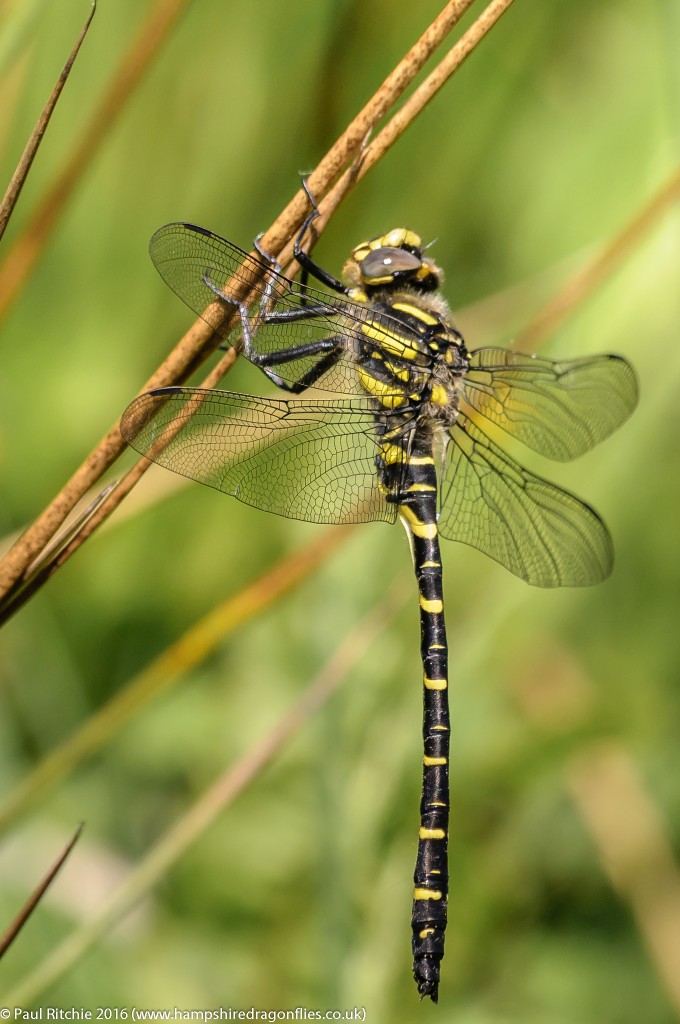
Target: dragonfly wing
[190, 259]
[187, 257]
[541, 533]
[296, 459]
[559, 409]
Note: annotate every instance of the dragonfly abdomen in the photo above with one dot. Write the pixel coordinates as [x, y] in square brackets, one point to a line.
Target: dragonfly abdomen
[417, 505]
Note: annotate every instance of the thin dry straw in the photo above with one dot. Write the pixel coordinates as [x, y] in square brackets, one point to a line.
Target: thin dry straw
[615, 805]
[566, 300]
[20, 258]
[32, 902]
[198, 342]
[164, 670]
[206, 809]
[630, 837]
[20, 175]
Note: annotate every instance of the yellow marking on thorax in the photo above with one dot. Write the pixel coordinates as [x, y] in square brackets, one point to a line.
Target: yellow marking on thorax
[415, 311]
[401, 373]
[432, 833]
[439, 395]
[379, 389]
[416, 525]
[434, 684]
[426, 894]
[421, 487]
[433, 760]
[431, 606]
[395, 344]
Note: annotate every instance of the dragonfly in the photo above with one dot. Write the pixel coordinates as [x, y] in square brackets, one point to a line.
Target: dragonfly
[413, 430]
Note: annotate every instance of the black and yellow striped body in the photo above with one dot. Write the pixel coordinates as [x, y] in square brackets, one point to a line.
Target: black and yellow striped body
[411, 434]
[428, 918]
[418, 512]
[421, 388]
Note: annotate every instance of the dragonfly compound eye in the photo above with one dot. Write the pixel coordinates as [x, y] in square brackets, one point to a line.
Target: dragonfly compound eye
[381, 266]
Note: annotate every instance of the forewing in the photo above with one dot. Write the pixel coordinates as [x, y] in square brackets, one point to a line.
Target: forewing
[188, 257]
[538, 531]
[559, 409]
[314, 462]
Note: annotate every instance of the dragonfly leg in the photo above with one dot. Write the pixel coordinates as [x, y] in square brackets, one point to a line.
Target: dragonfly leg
[267, 300]
[244, 317]
[303, 256]
[330, 350]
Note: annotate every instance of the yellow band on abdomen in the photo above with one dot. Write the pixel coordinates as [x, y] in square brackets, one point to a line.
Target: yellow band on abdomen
[426, 894]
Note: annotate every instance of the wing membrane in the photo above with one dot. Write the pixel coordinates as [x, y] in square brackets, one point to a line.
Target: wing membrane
[559, 409]
[296, 459]
[538, 531]
[187, 256]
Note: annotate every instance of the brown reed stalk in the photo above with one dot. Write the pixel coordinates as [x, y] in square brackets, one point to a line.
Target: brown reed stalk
[632, 844]
[13, 929]
[616, 808]
[20, 175]
[183, 654]
[586, 280]
[199, 341]
[20, 258]
[191, 825]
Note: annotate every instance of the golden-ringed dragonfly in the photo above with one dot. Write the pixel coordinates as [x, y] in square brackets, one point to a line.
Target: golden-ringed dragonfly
[415, 437]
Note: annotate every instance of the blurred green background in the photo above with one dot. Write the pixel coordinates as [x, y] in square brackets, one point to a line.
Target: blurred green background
[556, 131]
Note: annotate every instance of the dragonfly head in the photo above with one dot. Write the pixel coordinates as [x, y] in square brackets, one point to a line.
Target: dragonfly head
[393, 259]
